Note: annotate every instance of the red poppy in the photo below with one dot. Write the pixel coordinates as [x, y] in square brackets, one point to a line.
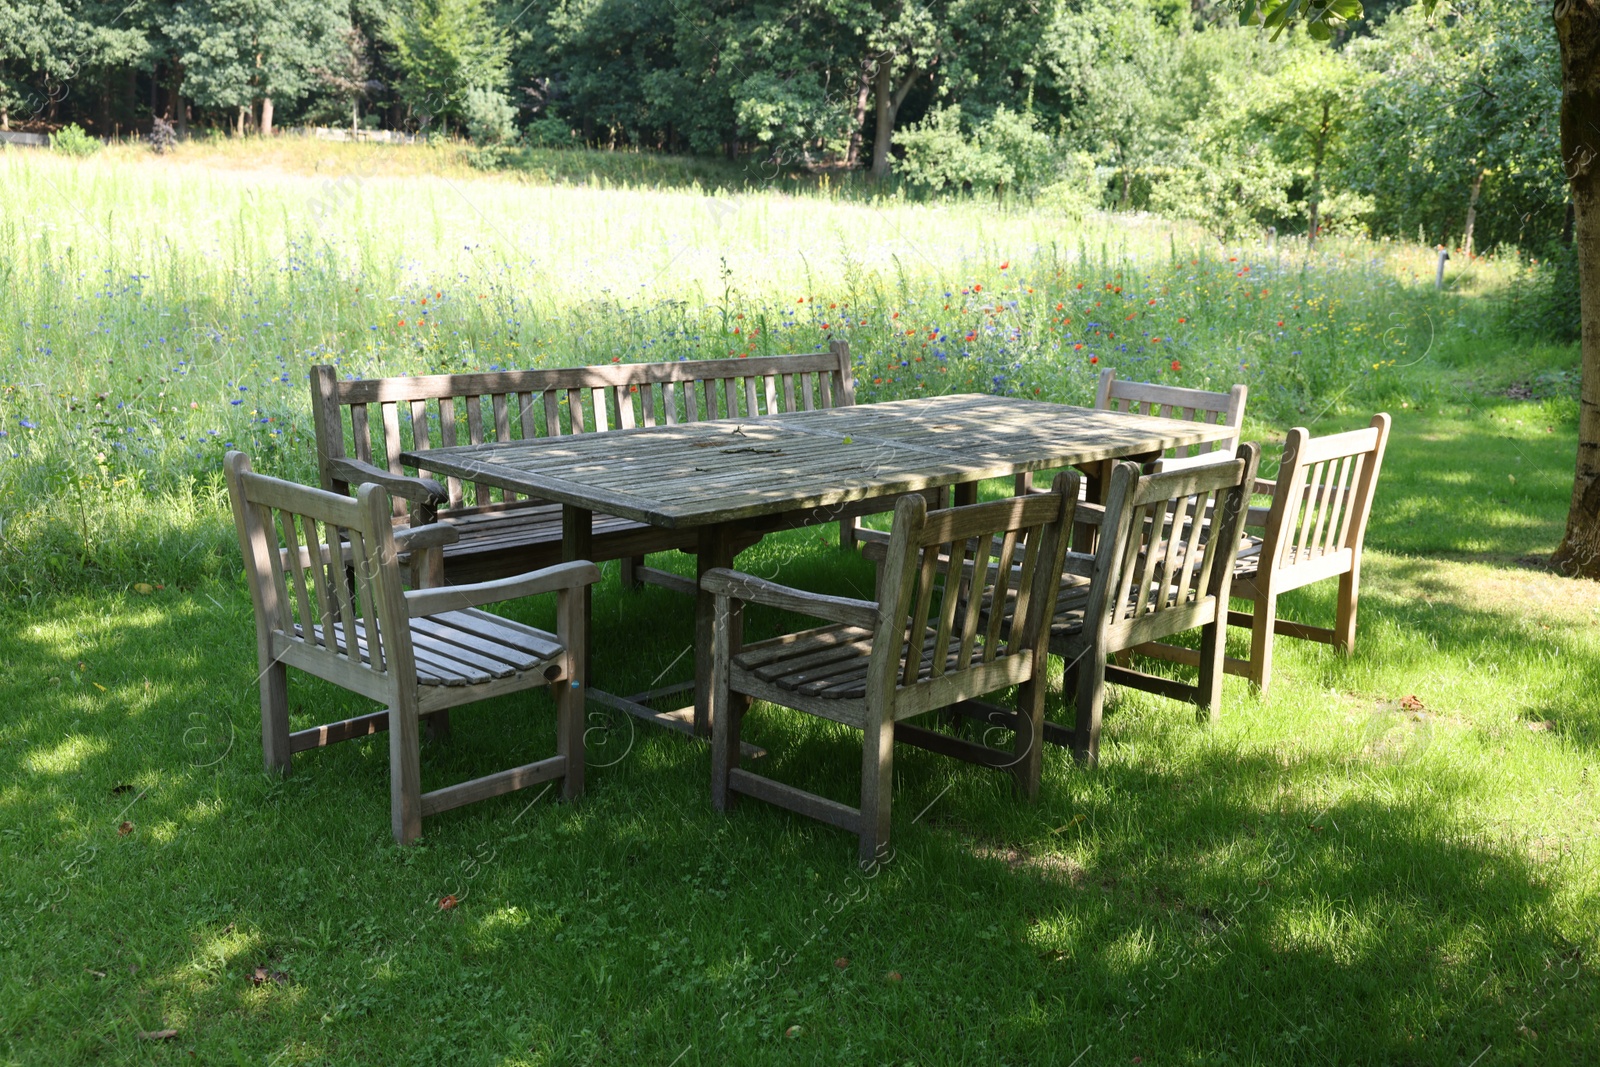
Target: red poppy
[1176, 365]
[1093, 359]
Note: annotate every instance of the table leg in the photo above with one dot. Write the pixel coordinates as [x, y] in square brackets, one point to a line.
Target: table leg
[716, 549]
[965, 493]
[577, 542]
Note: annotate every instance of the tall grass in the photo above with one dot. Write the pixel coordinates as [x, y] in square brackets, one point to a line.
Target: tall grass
[161, 310]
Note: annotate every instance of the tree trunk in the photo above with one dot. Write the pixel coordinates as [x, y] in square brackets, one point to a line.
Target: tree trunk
[5, 116]
[889, 99]
[266, 116]
[1578, 31]
[239, 123]
[1318, 153]
[1472, 210]
[858, 118]
[355, 117]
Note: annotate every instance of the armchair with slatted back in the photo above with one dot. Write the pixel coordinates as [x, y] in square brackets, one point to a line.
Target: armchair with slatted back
[1314, 530]
[325, 581]
[1156, 571]
[924, 644]
[1172, 402]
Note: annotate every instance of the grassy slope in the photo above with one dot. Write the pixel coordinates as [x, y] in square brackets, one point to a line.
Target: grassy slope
[1323, 877]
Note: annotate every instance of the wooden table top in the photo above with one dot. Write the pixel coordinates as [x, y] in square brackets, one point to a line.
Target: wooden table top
[723, 470]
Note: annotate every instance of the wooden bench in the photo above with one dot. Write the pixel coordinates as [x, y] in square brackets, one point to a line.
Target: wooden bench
[363, 426]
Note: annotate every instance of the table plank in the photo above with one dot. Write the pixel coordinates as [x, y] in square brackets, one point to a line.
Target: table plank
[728, 470]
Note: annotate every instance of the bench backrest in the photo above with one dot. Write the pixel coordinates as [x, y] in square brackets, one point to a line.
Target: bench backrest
[1175, 402]
[376, 419]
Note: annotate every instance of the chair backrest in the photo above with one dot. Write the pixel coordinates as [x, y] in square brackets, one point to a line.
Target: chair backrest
[1323, 499]
[1158, 568]
[376, 419]
[943, 573]
[1173, 402]
[318, 564]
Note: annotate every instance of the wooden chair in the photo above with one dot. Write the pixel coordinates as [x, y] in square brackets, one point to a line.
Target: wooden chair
[1172, 402]
[1156, 571]
[919, 647]
[1314, 531]
[325, 579]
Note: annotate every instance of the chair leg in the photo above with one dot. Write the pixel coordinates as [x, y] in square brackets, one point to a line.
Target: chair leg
[1208, 691]
[1029, 741]
[629, 566]
[727, 714]
[1344, 630]
[1090, 702]
[1261, 632]
[572, 690]
[275, 717]
[405, 772]
[569, 735]
[877, 780]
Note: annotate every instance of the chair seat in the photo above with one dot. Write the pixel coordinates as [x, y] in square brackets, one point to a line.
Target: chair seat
[469, 647]
[831, 661]
[518, 525]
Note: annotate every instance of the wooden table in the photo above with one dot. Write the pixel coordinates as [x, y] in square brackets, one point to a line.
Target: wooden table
[733, 481]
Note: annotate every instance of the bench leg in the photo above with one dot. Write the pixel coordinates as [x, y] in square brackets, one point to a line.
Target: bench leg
[629, 566]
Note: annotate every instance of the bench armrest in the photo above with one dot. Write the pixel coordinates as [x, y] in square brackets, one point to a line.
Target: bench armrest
[573, 575]
[721, 581]
[421, 490]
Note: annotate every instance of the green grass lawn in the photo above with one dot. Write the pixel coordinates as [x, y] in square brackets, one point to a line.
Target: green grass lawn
[1333, 874]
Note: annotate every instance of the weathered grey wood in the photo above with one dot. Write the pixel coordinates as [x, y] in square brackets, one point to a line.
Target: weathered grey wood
[329, 601]
[1153, 576]
[594, 398]
[895, 659]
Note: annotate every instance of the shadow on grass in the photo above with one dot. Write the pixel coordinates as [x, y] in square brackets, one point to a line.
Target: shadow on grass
[1196, 901]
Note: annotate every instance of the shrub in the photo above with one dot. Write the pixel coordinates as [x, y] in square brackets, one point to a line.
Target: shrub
[1004, 153]
[162, 136]
[491, 118]
[73, 141]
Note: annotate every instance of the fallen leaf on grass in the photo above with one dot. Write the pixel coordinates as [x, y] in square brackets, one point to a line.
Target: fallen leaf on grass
[1542, 726]
[261, 975]
[448, 901]
[893, 976]
[97, 974]
[841, 963]
[143, 588]
[98, 686]
[157, 1035]
[118, 790]
[1412, 703]
[125, 829]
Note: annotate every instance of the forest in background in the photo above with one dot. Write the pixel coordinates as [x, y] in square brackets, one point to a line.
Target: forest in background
[1438, 127]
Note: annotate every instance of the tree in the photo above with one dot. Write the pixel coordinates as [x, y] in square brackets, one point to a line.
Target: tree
[445, 48]
[1577, 25]
[1577, 31]
[237, 52]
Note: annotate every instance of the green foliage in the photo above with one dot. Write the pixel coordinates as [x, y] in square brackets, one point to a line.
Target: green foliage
[445, 49]
[490, 118]
[73, 141]
[1542, 299]
[1003, 152]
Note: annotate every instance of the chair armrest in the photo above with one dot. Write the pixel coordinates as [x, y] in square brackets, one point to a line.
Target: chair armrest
[1089, 514]
[573, 575]
[740, 586]
[433, 535]
[875, 551]
[420, 490]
